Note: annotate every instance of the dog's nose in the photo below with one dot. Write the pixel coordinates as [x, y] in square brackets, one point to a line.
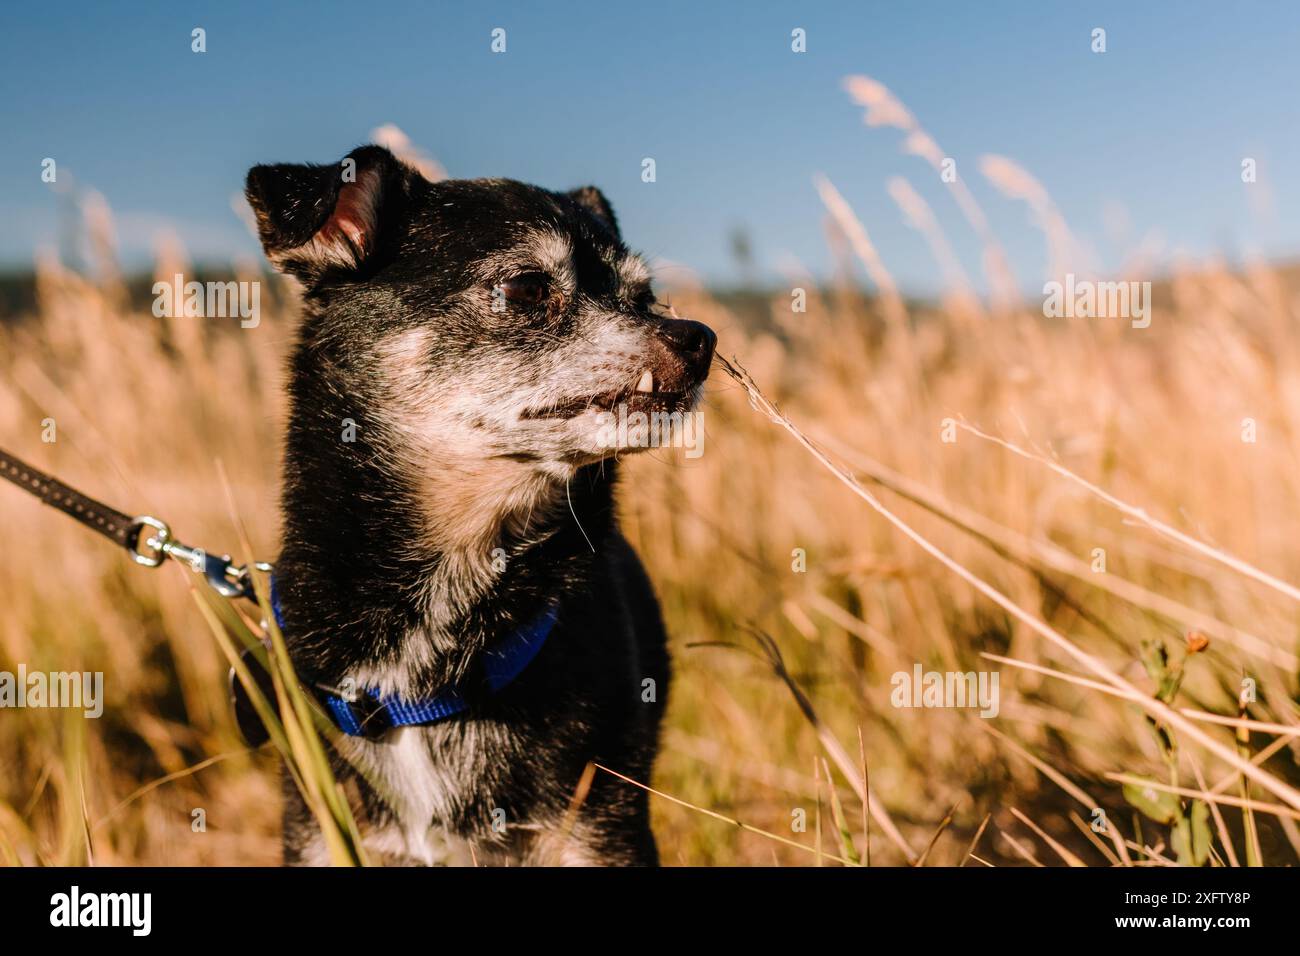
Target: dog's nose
[694, 341]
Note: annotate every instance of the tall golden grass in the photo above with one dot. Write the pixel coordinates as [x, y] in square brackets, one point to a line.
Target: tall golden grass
[828, 538]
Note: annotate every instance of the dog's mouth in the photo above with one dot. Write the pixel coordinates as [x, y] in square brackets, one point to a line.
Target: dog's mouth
[648, 395]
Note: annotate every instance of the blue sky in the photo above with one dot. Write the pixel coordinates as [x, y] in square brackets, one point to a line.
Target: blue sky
[738, 124]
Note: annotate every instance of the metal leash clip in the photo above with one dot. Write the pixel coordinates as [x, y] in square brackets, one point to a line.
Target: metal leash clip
[220, 572]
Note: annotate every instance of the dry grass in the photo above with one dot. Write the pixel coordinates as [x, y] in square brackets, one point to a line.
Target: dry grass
[831, 443]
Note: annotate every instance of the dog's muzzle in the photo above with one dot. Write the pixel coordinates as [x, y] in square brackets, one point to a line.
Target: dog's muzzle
[676, 362]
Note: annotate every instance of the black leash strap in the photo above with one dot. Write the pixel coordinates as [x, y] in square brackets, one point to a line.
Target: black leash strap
[149, 549]
[224, 577]
[95, 515]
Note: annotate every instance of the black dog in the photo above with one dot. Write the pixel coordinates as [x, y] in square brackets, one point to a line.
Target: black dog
[453, 581]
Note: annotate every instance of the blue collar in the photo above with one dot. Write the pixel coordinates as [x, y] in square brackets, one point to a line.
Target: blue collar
[370, 714]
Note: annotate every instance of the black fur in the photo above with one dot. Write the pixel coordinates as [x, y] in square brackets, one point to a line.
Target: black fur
[358, 554]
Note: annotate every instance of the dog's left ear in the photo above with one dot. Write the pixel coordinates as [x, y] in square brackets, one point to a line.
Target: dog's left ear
[314, 218]
[593, 200]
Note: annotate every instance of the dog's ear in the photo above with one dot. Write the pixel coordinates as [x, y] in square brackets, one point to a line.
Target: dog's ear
[314, 218]
[593, 200]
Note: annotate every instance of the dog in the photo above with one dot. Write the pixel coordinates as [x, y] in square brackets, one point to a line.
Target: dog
[449, 495]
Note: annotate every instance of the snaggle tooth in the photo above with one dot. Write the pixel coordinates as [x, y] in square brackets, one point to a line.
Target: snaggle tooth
[647, 383]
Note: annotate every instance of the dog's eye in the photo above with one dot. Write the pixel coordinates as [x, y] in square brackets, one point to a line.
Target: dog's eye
[531, 288]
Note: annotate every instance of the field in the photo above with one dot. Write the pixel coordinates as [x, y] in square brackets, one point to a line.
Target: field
[1102, 515]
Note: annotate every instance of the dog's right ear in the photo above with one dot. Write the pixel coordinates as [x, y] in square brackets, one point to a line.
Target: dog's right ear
[593, 200]
[313, 218]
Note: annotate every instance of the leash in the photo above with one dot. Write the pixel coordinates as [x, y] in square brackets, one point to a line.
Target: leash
[364, 713]
[219, 571]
